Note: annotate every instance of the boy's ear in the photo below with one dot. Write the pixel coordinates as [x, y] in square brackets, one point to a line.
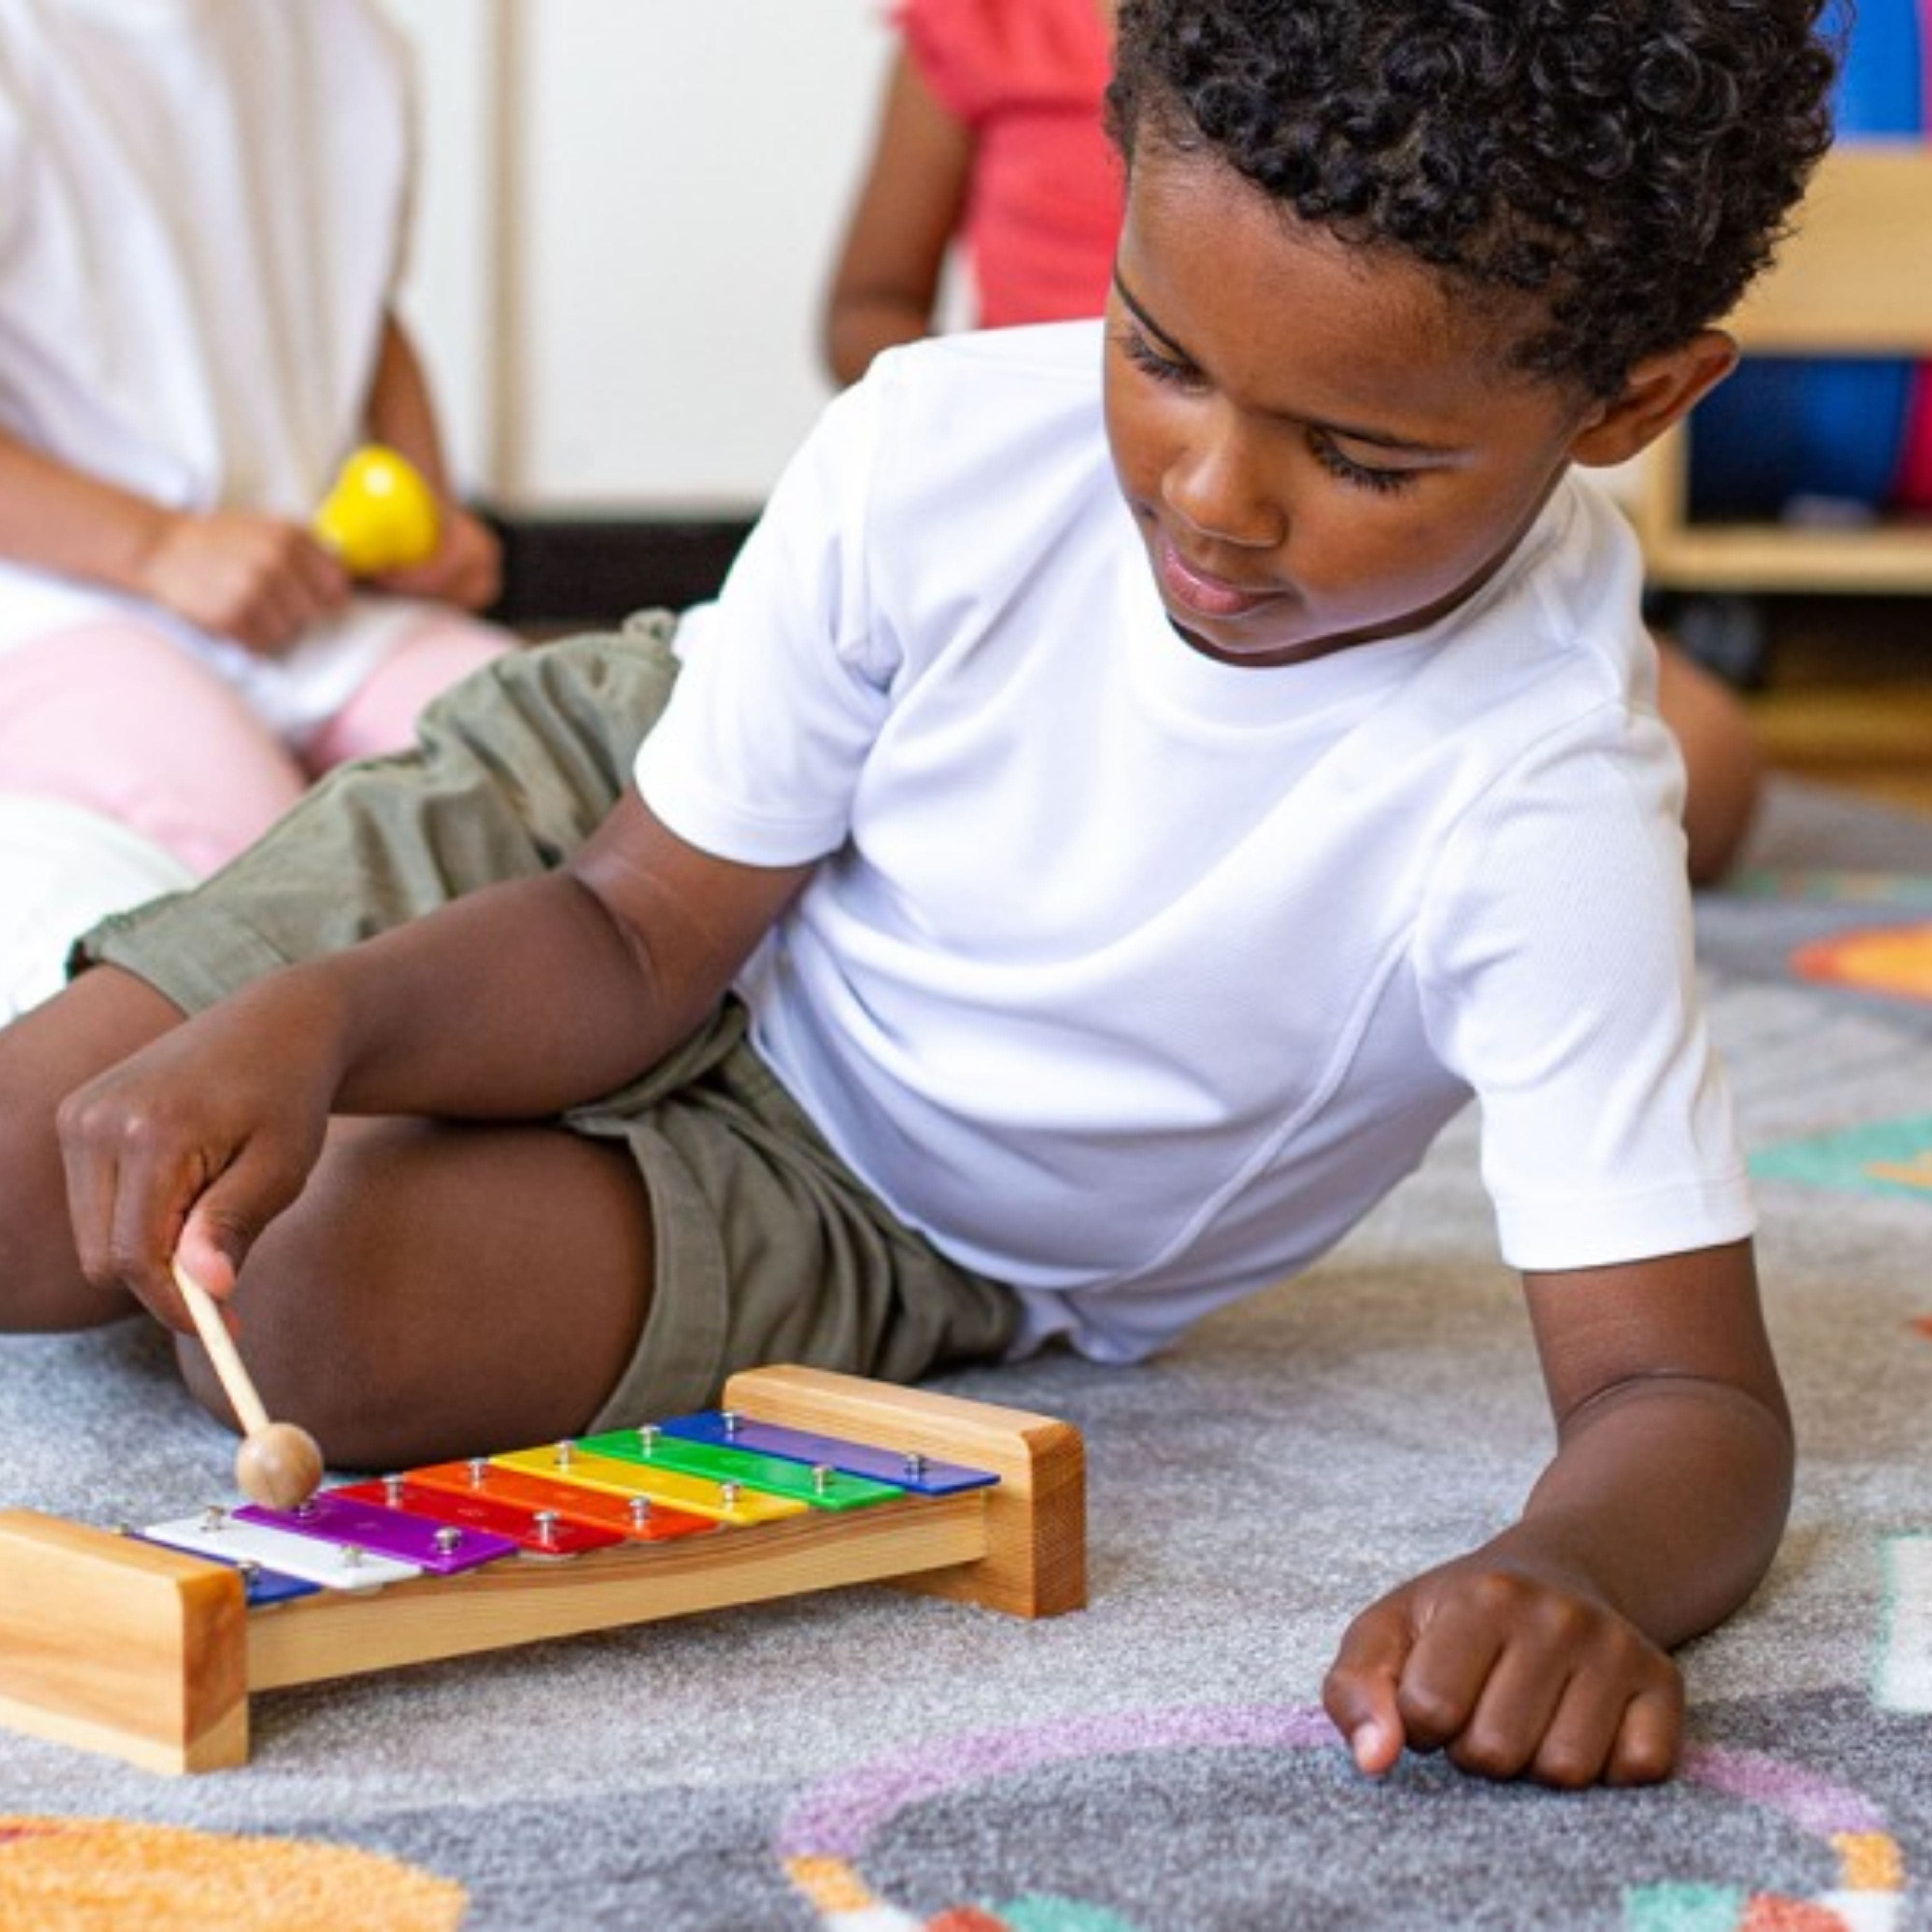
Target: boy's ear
[1660, 392]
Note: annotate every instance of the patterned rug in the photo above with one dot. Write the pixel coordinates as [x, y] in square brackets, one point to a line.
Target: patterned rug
[871, 1762]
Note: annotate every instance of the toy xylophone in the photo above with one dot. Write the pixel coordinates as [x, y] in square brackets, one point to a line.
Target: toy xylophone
[803, 1481]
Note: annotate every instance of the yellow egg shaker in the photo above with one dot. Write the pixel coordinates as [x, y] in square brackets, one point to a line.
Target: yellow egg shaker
[380, 515]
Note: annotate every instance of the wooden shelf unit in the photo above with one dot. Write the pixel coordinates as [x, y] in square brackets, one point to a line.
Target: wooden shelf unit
[1854, 279]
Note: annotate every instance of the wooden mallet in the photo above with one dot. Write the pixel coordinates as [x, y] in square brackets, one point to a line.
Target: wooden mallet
[278, 1464]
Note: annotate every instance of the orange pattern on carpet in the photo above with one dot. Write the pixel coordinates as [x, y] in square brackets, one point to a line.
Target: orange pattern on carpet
[108, 1875]
[1896, 960]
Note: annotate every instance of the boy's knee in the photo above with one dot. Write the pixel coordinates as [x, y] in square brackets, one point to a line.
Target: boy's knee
[317, 1307]
[44, 1056]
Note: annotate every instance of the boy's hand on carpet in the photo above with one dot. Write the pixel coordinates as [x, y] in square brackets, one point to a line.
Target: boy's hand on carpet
[1512, 1674]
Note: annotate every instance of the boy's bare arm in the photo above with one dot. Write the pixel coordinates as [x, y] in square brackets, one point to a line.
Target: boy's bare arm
[563, 987]
[514, 1002]
[1543, 1652]
[1673, 1470]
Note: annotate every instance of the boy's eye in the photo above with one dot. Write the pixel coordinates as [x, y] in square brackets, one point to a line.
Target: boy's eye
[1143, 354]
[1362, 475]
[1150, 361]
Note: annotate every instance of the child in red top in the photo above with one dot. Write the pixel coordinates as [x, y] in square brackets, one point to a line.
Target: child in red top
[990, 136]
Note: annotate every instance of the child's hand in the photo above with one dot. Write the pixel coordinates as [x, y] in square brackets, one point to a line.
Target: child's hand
[260, 581]
[1512, 1672]
[193, 1145]
[467, 570]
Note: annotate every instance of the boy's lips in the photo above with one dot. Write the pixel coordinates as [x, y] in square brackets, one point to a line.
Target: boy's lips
[1200, 591]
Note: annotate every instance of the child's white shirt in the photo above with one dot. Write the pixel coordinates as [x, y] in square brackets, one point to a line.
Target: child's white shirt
[1135, 979]
[203, 206]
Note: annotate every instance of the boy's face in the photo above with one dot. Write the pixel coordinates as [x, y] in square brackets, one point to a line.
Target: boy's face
[1319, 450]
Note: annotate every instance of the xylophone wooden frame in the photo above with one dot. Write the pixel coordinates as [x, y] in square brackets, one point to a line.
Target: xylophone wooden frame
[119, 1646]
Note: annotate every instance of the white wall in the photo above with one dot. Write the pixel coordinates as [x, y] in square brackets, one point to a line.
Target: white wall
[628, 210]
[447, 297]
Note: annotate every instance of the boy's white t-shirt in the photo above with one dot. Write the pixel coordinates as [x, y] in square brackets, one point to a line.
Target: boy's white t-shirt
[203, 206]
[1135, 979]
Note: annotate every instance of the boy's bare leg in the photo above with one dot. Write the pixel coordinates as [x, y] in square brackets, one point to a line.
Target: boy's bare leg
[443, 1289]
[45, 1055]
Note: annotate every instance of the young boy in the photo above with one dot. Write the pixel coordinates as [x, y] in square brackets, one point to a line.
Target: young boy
[1127, 797]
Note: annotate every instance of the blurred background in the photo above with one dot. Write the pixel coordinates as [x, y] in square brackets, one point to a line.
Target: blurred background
[630, 211]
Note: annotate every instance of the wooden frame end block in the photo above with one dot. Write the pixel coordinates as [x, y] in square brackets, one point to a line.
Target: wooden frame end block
[118, 1646]
[1036, 1560]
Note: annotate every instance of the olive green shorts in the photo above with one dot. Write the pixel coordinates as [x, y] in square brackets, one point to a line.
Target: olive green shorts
[768, 1247]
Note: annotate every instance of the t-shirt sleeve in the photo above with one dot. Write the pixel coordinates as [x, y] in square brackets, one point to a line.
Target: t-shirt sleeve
[785, 679]
[1559, 981]
[953, 45]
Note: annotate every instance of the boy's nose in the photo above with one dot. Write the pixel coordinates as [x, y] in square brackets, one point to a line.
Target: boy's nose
[1218, 490]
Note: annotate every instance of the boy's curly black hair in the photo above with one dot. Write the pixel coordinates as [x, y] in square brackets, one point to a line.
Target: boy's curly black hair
[1631, 163]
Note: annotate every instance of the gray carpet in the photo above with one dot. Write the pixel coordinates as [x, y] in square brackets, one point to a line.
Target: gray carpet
[1157, 1762]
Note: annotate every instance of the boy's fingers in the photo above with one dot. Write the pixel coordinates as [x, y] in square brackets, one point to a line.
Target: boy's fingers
[201, 1254]
[1359, 1693]
[1375, 1744]
[151, 1191]
[1650, 1737]
[229, 1215]
[1527, 1697]
[1452, 1659]
[1600, 1731]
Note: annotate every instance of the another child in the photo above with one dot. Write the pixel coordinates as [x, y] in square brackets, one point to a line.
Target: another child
[203, 206]
[1139, 782]
[990, 135]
